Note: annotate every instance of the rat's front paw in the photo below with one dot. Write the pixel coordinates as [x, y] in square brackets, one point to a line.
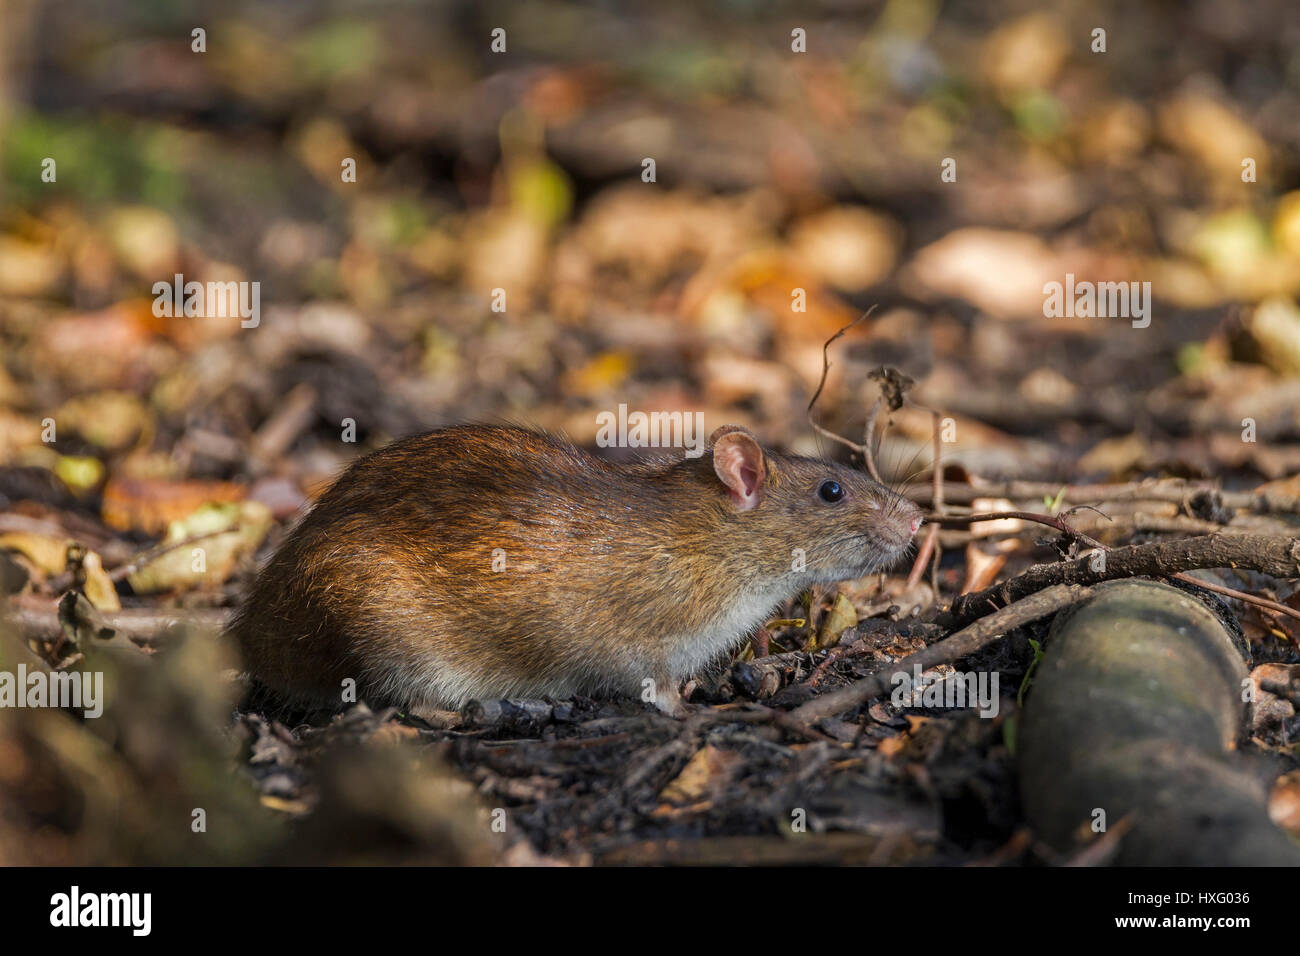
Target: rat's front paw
[668, 700]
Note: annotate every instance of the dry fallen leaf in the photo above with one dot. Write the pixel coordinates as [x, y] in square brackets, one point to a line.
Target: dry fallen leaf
[145, 240]
[1284, 803]
[1115, 457]
[48, 553]
[111, 420]
[1275, 327]
[211, 560]
[982, 569]
[1025, 54]
[1213, 135]
[1269, 709]
[100, 590]
[841, 616]
[704, 774]
[150, 505]
[28, 268]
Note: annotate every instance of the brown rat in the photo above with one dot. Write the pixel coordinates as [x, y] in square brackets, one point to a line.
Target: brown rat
[486, 562]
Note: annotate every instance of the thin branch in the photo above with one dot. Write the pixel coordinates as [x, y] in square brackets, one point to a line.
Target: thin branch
[965, 642]
[930, 548]
[63, 580]
[1245, 596]
[1062, 526]
[38, 619]
[1050, 521]
[826, 367]
[1171, 490]
[868, 439]
[1267, 554]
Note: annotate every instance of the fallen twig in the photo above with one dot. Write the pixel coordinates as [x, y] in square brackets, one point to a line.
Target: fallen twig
[63, 580]
[962, 644]
[1276, 556]
[1239, 595]
[1174, 490]
[1050, 521]
[1063, 527]
[37, 619]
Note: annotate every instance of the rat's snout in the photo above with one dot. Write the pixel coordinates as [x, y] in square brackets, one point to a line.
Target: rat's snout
[907, 521]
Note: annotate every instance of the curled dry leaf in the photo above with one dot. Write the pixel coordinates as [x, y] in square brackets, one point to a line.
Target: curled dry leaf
[839, 619]
[48, 554]
[99, 587]
[704, 774]
[211, 560]
[998, 271]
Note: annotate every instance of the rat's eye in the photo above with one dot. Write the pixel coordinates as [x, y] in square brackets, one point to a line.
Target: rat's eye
[830, 491]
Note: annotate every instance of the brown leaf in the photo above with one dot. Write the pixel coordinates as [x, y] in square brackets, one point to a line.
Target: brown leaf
[981, 569]
[150, 505]
[1284, 803]
[705, 774]
[839, 618]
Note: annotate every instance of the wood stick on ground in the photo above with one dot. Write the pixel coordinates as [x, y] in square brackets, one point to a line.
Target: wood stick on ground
[962, 644]
[1063, 527]
[1254, 599]
[62, 581]
[1276, 556]
[282, 429]
[1174, 490]
[923, 553]
[38, 619]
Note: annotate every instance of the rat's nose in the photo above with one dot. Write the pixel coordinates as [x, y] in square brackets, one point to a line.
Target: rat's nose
[916, 523]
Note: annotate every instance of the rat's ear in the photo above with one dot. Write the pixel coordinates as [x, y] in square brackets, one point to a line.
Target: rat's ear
[740, 465]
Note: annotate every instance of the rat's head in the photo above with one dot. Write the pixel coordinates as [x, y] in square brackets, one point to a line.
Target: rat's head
[845, 524]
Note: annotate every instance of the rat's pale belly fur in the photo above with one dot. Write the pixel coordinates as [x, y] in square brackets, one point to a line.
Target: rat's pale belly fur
[435, 679]
[432, 678]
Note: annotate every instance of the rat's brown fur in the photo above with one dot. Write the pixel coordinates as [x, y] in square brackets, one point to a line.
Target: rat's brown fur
[614, 575]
